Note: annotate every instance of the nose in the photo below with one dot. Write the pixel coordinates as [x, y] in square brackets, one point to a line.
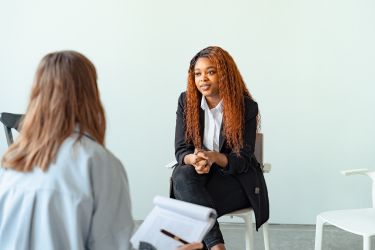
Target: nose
[204, 78]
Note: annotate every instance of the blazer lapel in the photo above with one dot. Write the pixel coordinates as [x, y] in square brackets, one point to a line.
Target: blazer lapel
[221, 137]
[201, 125]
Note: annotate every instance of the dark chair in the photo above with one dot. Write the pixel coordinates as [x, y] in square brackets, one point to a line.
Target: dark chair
[10, 121]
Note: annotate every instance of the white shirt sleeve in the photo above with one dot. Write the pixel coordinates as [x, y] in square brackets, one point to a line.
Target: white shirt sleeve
[112, 221]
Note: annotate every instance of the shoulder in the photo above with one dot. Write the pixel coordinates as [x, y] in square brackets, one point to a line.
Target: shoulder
[99, 152]
[87, 152]
[182, 101]
[182, 97]
[251, 107]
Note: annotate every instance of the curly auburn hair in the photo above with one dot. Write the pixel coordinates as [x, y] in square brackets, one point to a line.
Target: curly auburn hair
[232, 90]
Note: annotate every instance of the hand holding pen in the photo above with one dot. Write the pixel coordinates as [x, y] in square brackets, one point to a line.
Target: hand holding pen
[187, 245]
[191, 246]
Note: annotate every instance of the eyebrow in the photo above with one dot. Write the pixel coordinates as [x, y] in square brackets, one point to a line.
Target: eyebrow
[209, 67]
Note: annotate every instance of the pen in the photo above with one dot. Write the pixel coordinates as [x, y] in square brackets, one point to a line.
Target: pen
[169, 234]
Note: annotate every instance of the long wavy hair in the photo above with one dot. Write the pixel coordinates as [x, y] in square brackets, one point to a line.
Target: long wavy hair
[232, 90]
[64, 97]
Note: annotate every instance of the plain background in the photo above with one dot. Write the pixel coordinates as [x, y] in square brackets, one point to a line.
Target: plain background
[309, 64]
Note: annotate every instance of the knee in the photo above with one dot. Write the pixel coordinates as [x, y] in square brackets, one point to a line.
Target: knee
[181, 173]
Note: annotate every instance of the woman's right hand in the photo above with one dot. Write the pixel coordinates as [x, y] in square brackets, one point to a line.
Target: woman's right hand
[191, 246]
[200, 164]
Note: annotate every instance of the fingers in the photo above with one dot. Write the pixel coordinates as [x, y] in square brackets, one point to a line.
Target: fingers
[204, 163]
[191, 246]
[202, 154]
[201, 162]
[202, 169]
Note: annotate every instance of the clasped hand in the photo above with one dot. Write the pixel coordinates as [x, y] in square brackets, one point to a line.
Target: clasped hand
[202, 161]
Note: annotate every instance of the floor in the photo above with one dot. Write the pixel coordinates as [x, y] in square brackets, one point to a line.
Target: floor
[292, 237]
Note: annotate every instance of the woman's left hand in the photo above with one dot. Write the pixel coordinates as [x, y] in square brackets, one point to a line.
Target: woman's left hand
[191, 246]
[213, 157]
[208, 159]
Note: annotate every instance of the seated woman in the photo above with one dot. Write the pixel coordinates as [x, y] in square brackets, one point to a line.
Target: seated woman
[61, 188]
[216, 126]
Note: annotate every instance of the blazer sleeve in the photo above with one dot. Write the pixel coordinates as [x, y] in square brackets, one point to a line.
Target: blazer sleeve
[238, 164]
[181, 147]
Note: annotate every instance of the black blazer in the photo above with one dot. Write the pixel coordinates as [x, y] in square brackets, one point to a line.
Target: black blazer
[244, 167]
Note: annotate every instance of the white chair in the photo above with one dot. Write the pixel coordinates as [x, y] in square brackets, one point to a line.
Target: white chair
[247, 213]
[356, 221]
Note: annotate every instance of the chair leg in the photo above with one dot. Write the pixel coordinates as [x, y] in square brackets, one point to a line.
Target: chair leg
[366, 243]
[319, 233]
[249, 236]
[266, 236]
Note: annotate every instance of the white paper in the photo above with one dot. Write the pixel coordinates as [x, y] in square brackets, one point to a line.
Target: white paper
[186, 220]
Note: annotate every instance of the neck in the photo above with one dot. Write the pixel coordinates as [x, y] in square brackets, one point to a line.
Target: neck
[212, 101]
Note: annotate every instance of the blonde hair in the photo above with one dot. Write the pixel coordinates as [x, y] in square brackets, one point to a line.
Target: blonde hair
[64, 97]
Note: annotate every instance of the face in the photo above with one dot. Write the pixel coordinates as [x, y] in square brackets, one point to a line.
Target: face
[206, 78]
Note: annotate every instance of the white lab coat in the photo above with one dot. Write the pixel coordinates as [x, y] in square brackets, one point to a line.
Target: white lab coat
[81, 202]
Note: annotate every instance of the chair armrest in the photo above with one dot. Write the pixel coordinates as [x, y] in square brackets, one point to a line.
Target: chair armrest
[171, 164]
[266, 168]
[363, 171]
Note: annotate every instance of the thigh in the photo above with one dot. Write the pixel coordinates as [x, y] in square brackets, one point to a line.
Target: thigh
[190, 186]
[226, 192]
[186, 174]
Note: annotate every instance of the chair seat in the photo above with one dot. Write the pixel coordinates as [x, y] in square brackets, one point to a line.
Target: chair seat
[241, 212]
[357, 221]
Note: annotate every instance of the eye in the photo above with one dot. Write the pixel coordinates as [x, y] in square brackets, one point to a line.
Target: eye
[197, 74]
[211, 72]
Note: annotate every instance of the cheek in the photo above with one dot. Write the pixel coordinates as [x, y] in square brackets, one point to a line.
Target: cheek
[217, 87]
[214, 79]
[196, 84]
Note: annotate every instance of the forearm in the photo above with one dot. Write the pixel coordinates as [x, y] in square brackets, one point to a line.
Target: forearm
[220, 159]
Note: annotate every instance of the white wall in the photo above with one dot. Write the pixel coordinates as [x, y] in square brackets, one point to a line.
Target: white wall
[309, 64]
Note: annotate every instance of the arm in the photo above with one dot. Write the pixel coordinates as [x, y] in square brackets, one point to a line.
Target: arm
[238, 164]
[185, 152]
[111, 222]
[191, 246]
[182, 148]
[230, 162]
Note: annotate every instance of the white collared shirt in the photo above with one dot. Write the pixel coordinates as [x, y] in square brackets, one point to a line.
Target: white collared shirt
[212, 125]
[81, 202]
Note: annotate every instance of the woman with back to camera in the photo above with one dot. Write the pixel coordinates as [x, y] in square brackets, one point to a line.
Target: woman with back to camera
[216, 126]
[61, 188]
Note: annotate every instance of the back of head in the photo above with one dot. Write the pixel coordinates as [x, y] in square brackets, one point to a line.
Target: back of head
[64, 97]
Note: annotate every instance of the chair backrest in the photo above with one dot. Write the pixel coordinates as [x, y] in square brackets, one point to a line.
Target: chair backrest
[258, 150]
[10, 121]
[371, 174]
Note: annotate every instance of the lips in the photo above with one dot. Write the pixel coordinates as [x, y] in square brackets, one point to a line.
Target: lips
[205, 86]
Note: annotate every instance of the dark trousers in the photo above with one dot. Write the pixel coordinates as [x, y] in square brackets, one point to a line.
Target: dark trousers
[216, 190]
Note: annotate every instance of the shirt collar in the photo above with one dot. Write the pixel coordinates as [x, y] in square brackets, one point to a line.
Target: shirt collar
[204, 105]
[78, 131]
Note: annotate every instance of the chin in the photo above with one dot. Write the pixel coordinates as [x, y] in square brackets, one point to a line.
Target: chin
[206, 93]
